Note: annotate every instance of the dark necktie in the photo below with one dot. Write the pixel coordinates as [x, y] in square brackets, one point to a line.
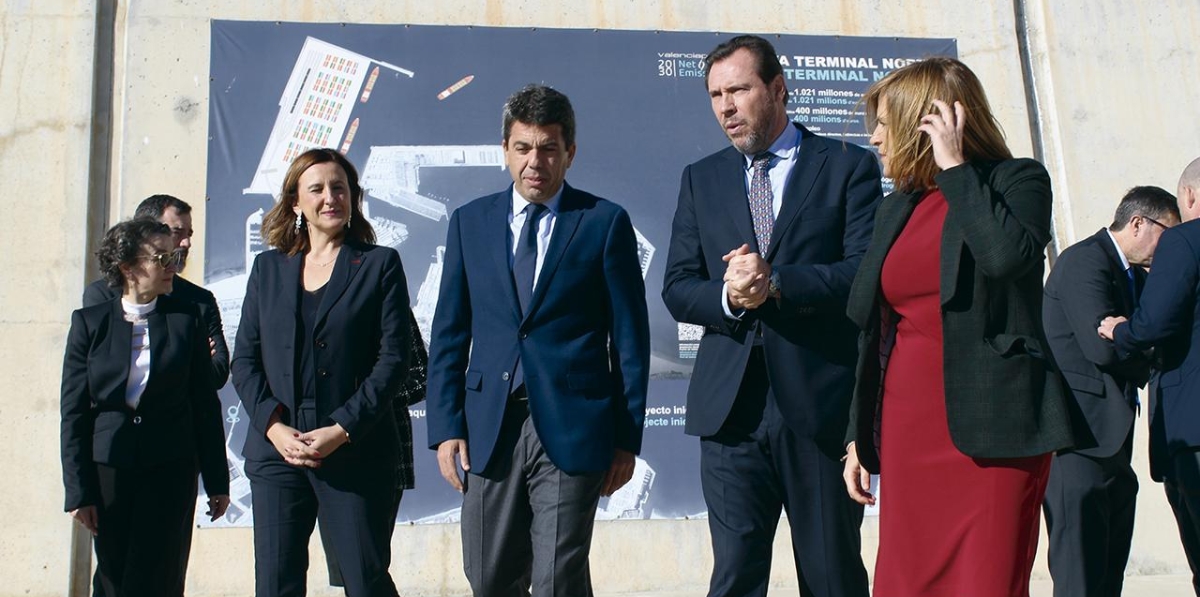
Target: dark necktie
[1132, 285]
[525, 259]
[762, 201]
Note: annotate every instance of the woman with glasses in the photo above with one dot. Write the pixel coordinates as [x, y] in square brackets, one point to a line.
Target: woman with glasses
[322, 350]
[140, 417]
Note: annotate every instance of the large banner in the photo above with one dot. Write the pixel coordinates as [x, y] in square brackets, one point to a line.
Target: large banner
[417, 110]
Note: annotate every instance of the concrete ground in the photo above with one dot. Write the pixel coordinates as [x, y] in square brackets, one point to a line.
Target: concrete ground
[1168, 585]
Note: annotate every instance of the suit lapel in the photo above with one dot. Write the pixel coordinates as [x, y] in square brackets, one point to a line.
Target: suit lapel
[498, 238]
[731, 182]
[1120, 279]
[893, 214]
[120, 343]
[797, 188]
[566, 221]
[952, 247]
[349, 261]
[157, 324]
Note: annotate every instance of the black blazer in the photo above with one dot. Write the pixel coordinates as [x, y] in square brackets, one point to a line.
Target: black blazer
[821, 233]
[1087, 284]
[99, 292]
[178, 417]
[1168, 318]
[1003, 397]
[361, 354]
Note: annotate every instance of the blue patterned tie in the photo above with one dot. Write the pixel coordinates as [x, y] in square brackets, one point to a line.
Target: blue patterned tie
[762, 201]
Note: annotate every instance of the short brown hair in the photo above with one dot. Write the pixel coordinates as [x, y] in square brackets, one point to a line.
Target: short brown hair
[279, 225]
[909, 92]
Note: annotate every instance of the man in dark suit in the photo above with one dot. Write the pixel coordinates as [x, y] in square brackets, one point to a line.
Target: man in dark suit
[539, 361]
[1168, 319]
[1092, 490]
[765, 243]
[177, 214]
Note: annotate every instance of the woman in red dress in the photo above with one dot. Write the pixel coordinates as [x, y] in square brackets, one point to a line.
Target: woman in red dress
[955, 405]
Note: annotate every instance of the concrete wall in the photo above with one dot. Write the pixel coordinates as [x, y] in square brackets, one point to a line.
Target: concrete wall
[1111, 78]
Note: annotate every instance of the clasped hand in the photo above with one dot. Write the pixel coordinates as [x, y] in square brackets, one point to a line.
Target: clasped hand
[305, 449]
[747, 277]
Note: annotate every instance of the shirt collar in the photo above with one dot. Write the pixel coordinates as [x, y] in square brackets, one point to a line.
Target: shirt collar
[784, 147]
[519, 203]
[1120, 253]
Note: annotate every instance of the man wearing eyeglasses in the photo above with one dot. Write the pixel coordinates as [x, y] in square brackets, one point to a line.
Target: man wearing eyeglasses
[1090, 497]
[177, 214]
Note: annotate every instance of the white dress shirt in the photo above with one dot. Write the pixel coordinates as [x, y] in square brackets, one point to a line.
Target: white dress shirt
[139, 353]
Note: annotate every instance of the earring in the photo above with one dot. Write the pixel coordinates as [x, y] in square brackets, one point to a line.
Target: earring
[299, 222]
[349, 218]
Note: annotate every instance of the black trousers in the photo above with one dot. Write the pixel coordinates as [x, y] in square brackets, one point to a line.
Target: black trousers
[1089, 509]
[754, 468]
[145, 521]
[1182, 486]
[355, 504]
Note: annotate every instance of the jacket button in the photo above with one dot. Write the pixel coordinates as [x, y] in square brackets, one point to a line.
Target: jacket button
[137, 420]
[504, 376]
[322, 373]
[320, 344]
[524, 335]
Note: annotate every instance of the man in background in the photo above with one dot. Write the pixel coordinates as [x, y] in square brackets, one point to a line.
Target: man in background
[1092, 491]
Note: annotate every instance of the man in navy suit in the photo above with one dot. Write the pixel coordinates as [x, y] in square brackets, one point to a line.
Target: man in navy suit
[539, 361]
[1092, 491]
[1168, 319]
[766, 239]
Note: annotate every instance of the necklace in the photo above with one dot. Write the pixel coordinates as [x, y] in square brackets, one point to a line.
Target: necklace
[318, 264]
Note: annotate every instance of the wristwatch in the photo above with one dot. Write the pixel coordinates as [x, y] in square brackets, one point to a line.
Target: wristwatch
[773, 285]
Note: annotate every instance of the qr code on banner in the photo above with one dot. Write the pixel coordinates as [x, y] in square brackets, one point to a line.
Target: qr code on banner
[690, 332]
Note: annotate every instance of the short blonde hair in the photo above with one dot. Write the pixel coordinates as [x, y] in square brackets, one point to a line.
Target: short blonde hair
[909, 93]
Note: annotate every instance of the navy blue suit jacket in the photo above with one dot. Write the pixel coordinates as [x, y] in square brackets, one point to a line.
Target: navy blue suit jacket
[1167, 318]
[819, 237]
[362, 338]
[177, 418]
[584, 345]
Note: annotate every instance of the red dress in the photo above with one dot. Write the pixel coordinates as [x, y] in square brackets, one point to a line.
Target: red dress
[949, 525]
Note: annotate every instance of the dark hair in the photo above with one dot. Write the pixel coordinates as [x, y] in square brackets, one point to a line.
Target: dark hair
[279, 225]
[1147, 201]
[154, 206]
[122, 245]
[540, 106]
[763, 51]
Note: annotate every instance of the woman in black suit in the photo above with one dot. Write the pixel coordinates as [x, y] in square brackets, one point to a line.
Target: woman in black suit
[140, 415]
[322, 348]
[956, 403]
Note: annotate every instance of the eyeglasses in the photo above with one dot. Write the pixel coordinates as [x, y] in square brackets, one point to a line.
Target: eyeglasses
[164, 260]
[1155, 222]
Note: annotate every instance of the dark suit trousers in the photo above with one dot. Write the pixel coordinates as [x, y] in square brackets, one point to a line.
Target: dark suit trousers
[753, 468]
[145, 529]
[525, 522]
[354, 503]
[1182, 485]
[1089, 508]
